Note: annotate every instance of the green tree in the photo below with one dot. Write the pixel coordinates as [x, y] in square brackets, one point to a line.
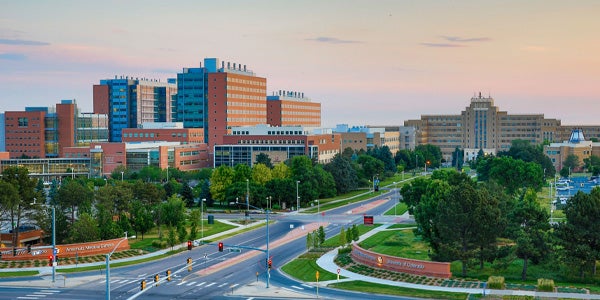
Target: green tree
[182, 233]
[326, 186]
[263, 158]
[119, 172]
[309, 241]
[72, 195]
[528, 228]
[355, 233]
[171, 237]
[592, 164]
[579, 236]
[141, 217]
[173, 211]
[187, 194]
[302, 170]
[456, 225]
[16, 208]
[343, 174]
[342, 237]
[321, 235]
[281, 171]
[261, 174]
[571, 162]
[84, 230]
[150, 174]
[221, 178]
[241, 172]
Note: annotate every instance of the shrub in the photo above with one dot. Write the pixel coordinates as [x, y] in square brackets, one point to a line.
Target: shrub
[545, 285]
[495, 282]
[345, 250]
[159, 244]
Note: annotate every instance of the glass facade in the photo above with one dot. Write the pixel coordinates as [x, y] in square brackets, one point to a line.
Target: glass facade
[232, 155]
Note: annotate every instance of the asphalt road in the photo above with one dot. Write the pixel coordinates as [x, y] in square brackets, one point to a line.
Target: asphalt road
[126, 281]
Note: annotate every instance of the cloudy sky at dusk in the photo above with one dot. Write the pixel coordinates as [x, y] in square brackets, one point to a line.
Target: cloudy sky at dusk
[366, 62]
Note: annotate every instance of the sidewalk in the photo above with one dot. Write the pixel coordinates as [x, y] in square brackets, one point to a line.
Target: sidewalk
[327, 262]
[43, 271]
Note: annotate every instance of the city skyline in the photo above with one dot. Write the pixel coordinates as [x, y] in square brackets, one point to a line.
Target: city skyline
[366, 63]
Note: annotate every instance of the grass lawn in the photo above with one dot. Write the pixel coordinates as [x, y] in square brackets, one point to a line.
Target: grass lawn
[146, 243]
[335, 240]
[305, 269]
[400, 209]
[368, 287]
[18, 273]
[401, 243]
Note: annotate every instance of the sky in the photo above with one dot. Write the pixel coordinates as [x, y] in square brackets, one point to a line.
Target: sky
[366, 62]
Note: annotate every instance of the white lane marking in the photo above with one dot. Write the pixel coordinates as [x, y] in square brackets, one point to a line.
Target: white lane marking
[26, 297]
[222, 285]
[51, 291]
[181, 283]
[210, 284]
[297, 287]
[191, 283]
[234, 285]
[201, 284]
[308, 286]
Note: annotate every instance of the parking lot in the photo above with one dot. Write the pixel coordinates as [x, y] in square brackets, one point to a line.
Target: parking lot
[565, 189]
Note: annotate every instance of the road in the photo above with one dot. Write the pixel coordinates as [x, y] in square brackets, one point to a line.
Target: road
[215, 274]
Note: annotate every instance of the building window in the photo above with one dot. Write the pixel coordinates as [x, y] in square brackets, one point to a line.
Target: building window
[23, 122]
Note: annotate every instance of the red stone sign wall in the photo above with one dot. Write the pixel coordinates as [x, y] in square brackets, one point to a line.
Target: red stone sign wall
[398, 264]
[69, 250]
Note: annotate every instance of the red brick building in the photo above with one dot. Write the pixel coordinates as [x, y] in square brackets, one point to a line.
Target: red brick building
[25, 133]
[287, 108]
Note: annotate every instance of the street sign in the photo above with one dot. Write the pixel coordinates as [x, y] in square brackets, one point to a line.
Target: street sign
[338, 270]
[235, 250]
[317, 275]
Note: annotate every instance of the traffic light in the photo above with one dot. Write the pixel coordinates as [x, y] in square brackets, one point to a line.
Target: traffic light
[156, 279]
[220, 246]
[50, 261]
[270, 263]
[56, 259]
[168, 275]
[189, 245]
[142, 285]
[189, 263]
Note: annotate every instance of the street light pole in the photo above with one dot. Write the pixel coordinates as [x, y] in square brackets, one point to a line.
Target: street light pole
[53, 244]
[297, 197]
[247, 195]
[396, 201]
[202, 217]
[108, 267]
[318, 206]
[122, 175]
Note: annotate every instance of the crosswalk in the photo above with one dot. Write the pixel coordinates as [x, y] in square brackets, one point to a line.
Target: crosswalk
[202, 284]
[41, 294]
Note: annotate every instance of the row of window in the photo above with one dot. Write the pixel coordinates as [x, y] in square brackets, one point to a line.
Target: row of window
[271, 142]
[245, 81]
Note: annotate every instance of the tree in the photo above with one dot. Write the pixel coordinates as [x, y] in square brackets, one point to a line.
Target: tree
[173, 211]
[458, 158]
[326, 183]
[321, 235]
[343, 174]
[261, 174]
[141, 217]
[592, 164]
[457, 227]
[172, 237]
[385, 155]
[355, 233]
[119, 172]
[19, 178]
[528, 227]
[150, 174]
[221, 178]
[181, 233]
[281, 171]
[263, 158]
[84, 230]
[187, 194]
[342, 237]
[579, 236]
[72, 195]
[523, 150]
[571, 162]
[309, 241]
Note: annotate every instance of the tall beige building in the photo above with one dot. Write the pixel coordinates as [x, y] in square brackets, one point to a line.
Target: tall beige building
[482, 126]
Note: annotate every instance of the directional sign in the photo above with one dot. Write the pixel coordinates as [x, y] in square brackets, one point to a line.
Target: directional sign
[338, 271]
[235, 250]
[317, 275]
